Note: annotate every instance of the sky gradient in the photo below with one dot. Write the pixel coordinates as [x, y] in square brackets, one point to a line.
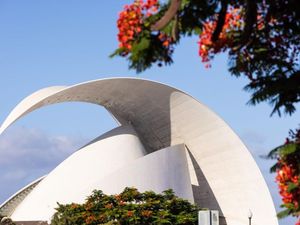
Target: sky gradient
[46, 43]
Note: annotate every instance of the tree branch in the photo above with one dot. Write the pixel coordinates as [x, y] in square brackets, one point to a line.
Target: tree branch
[250, 20]
[169, 15]
[221, 20]
[175, 29]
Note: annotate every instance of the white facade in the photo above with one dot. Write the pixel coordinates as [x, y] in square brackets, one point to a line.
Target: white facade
[165, 135]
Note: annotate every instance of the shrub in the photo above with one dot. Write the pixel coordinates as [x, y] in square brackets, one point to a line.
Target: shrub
[128, 207]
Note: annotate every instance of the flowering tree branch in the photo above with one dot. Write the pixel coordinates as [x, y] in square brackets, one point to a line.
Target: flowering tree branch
[221, 21]
[262, 39]
[168, 16]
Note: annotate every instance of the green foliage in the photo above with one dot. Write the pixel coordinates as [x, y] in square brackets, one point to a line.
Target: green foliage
[292, 187]
[289, 151]
[147, 51]
[193, 14]
[269, 56]
[284, 150]
[129, 207]
[283, 213]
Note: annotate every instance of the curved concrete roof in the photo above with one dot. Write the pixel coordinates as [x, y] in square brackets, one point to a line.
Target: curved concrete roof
[8, 207]
[97, 167]
[224, 175]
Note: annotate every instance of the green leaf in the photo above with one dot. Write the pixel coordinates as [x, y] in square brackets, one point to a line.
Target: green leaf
[143, 44]
[116, 52]
[184, 3]
[197, 30]
[292, 186]
[260, 50]
[273, 168]
[288, 149]
[284, 213]
[169, 28]
[282, 150]
[273, 154]
[139, 47]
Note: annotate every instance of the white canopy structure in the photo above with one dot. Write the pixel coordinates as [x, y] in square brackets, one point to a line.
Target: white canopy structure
[166, 139]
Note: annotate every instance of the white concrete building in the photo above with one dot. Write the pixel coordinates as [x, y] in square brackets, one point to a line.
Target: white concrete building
[165, 139]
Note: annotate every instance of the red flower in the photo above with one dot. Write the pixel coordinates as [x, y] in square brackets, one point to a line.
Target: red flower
[287, 174]
[207, 48]
[130, 22]
[129, 213]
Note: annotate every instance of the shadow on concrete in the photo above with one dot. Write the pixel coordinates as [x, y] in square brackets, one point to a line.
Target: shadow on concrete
[203, 194]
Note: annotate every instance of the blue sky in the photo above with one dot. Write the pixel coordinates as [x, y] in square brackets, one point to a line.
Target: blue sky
[45, 43]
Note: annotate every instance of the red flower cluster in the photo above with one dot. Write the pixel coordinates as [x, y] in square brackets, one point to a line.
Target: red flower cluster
[90, 219]
[130, 213]
[287, 174]
[130, 22]
[146, 213]
[207, 48]
[165, 39]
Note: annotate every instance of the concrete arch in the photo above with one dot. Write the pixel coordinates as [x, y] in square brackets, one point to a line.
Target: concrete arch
[223, 173]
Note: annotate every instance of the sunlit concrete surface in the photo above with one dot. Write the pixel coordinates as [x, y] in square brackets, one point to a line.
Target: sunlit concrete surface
[221, 172]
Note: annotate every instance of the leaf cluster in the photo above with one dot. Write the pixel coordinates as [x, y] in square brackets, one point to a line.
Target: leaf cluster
[270, 56]
[288, 152]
